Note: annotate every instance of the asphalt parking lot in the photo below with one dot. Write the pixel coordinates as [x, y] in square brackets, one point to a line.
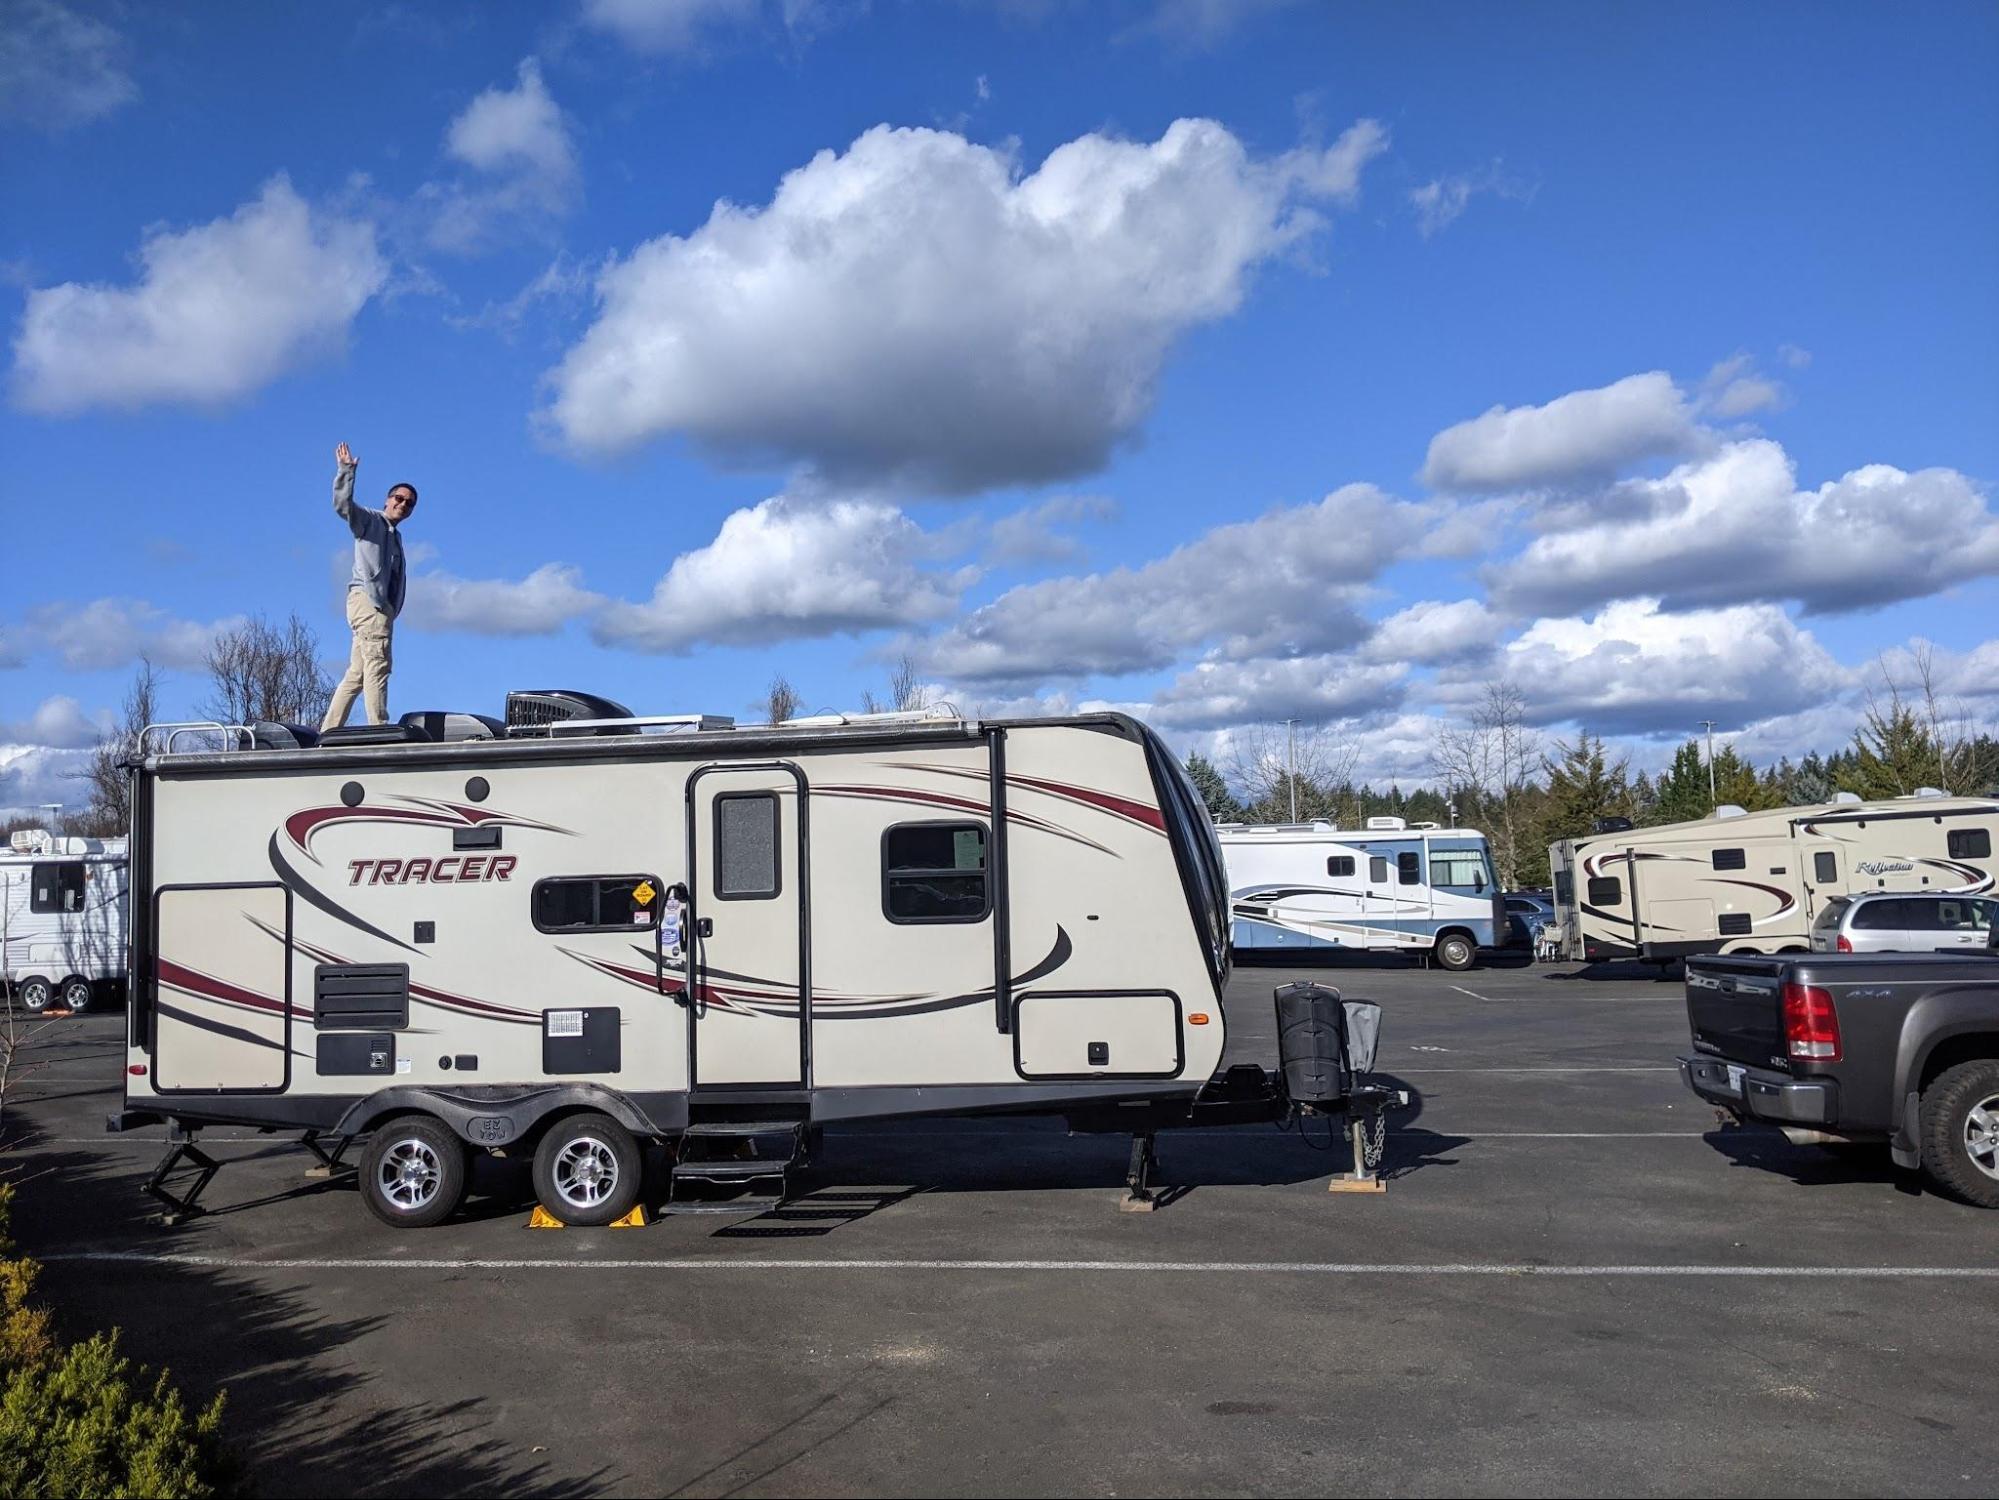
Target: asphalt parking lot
[1575, 1284]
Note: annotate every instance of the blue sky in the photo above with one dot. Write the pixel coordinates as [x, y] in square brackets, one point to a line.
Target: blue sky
[1226, 360]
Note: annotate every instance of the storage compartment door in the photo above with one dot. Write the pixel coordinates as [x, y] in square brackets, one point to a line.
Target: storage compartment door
[1098, 1034]
[222, 995]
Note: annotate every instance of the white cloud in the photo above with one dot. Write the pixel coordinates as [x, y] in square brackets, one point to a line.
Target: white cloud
[519, 146]
[31, 775]
[1793, 356]
[916, 309]
[1633, 669]
[1581, 435]
[59, 68]
[1736, 388]
[58, 722]
[1287, 583]
[539, 604]
[220, 310]
[788, 569]
[1431, 633]
[660, 27]
[1038, 534]
[1440, 201]
[1203, 23]
[1316, 689]
[1734, 526]
[108, 633]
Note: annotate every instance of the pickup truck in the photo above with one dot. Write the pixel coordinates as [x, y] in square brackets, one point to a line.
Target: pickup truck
[1835, 1048]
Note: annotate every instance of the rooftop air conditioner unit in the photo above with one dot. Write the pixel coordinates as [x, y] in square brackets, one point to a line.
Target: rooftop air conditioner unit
[532, 711]
[1929, 791]
[1730, 810]
[1386, 825]
[1846, 799]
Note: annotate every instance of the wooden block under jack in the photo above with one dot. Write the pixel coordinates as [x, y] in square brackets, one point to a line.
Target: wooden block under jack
[541, 1218]
[1129, 1205]
[1347, 1182]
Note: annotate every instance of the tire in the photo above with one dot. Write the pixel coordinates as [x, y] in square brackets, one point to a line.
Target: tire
[35, 994]
[75, 994]
[413, 1172]
[1456, 952]
[1960, 1118]
[588, 1170]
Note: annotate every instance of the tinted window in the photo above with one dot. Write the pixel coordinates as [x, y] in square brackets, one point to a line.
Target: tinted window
[1825, 867]
[1409, 867]
[1377, 870]
[1565, 887]
[746, 846]
[1970, 843]
[1830, 913]
[599, 903]
[1955, 916]
[1729, 859]
[1526, 908]
[935, 872]
[58, 887]
[1875, 916]
[1339, 865]
[1605, 890]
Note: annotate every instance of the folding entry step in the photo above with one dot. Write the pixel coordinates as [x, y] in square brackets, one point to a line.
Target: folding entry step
[736, 1166]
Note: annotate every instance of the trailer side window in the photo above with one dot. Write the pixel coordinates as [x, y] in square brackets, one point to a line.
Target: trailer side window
[935, 872]
[595, 903]
[1970, 843]
[1409, 868]
[1605, 890]
[1825, 867]
[746, 846]
[1339, 865]
[57, 887]
[1565, 887]
[1377, 870]
[1730, 859]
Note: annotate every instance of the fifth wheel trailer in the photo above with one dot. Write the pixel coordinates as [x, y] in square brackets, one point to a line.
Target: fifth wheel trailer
[1754, 882]
[572, 939]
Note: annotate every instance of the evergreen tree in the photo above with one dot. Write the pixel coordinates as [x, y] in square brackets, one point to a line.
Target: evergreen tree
[1893, 754]
[1682, 788]
[1736, 782]
[1213, 790]
[1810, 783]
[1584, 784]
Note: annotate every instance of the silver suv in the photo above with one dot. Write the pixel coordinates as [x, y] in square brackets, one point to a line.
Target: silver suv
[1903, 922]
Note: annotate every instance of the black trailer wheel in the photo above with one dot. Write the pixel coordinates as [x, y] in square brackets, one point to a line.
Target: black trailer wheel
[35, 994]
[1456, 952]
[77, 993]
[413, 1172]
[587, 1170]
[1961, 1131]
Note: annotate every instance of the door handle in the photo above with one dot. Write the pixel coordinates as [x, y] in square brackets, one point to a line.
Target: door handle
[704, 927]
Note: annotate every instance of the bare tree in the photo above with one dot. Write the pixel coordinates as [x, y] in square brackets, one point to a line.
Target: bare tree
[110, 810]
[782, 702]
[1265, 760]
[260, 671]
[1489, 760]
[905, 688]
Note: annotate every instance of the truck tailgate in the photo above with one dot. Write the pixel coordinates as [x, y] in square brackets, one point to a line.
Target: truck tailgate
[1735, 1009]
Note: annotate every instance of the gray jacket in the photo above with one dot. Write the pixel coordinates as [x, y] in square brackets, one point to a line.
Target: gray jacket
[378, 548]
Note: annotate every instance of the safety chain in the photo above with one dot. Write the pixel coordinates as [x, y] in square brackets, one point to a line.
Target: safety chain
[1372, 1147]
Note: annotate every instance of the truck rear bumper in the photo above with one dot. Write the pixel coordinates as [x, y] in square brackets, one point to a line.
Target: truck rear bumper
[1761, 1094]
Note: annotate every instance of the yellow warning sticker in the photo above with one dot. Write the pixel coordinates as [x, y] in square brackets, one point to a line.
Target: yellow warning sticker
[644, 893]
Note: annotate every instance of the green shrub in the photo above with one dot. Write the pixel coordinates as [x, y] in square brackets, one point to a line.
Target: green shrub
[83, 1420]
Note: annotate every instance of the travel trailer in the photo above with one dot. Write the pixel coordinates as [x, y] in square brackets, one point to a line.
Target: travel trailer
[1739, 882]
[1415, 888]
[62, 919]
[567, 937]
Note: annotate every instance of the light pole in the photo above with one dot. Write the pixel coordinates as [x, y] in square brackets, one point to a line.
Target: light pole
[54, 810]
[1712, 799]
[1291, 763]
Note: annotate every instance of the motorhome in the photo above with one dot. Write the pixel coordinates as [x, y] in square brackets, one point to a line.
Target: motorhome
[62, 919]
[564, 937]
[1753, 882]
[1408, 887]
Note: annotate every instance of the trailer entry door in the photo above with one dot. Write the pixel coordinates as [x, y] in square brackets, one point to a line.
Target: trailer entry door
[222, 989]
[748, 960]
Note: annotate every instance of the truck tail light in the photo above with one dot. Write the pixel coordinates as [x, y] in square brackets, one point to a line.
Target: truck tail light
[1811, 1025]
[1845, 943]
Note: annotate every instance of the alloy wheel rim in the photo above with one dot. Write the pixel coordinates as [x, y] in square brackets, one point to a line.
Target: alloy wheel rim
[410, 1175]
[586, 1172]
[1981, 1136]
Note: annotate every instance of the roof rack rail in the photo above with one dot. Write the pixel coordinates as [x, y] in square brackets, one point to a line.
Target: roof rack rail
[937, 713]
[234, 736]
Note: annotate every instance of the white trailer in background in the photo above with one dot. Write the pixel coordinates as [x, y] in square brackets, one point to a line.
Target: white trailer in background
[1391, 885]
[62, 919]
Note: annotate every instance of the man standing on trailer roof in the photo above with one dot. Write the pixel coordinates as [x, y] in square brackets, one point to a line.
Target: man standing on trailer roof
[374, 593]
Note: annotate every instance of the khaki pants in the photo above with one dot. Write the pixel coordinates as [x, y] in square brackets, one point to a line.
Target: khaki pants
[368, 666]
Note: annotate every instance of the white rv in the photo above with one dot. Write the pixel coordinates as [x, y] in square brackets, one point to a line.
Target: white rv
[1739, 882]
[569, 940]
[1413, 888]
[62, 919]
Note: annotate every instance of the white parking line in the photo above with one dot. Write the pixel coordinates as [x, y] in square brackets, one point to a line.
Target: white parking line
[1239, 1267]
